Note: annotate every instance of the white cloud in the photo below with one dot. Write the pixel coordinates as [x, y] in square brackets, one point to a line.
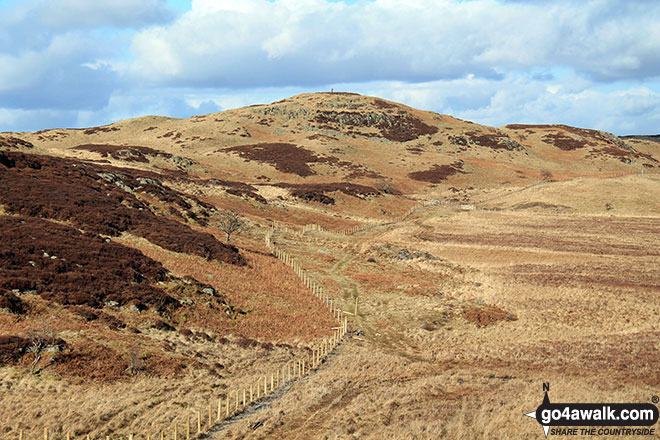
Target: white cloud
[81, 62]
[63, 15]
[286, 42]
[56, 77]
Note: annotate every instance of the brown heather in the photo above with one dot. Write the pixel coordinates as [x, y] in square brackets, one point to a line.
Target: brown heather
[485, 262]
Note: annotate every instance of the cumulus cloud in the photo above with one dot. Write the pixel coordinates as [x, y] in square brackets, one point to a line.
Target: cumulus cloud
[55, 57]
[60, 15]
[56, 77]
[80, 62]
[286, 42]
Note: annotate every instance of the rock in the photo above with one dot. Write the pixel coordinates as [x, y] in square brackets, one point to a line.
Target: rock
[53, 257]
[46, 255]
[404, 254]
[186, 301]
[371, 260]
[427, 326]
[32, 263]
[208, 291]
[480, 302]
[460, 381]
[112, 303]
[182, 161]
[134, 308]
[148, 181]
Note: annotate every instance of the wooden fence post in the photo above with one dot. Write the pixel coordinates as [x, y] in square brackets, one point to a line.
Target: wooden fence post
[199, 422]
[176, 431]
[219, 409]
[251, 395]
[356, 306]
[265, 385]
[227, 413]
[272, 382]
[46, 433]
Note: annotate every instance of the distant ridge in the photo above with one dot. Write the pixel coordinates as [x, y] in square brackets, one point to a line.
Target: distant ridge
[645, 137]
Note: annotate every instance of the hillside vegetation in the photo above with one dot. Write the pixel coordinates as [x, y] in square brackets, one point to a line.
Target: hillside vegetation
[484, 261]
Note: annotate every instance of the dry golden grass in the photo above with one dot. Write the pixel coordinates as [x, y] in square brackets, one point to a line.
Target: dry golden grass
[279, 307]
[574, 260]
[583, 288]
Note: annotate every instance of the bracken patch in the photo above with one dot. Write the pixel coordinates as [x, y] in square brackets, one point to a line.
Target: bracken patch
[14, 143]
[62, 264]
[12, 349]
[494, 141]
[101, 199]
[287, 158]
[122, 152]
[439, 173]
[317, 192]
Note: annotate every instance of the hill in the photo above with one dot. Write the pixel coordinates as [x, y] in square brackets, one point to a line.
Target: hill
[485, 261]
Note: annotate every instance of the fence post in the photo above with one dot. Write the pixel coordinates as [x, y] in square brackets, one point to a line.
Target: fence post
[272, 382]
[251, 395]
[199, 422]
[176, 432]
[219, 409]
[227, 413]
[265, 385]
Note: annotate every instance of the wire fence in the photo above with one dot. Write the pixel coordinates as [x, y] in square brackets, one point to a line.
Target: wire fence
[191, 424]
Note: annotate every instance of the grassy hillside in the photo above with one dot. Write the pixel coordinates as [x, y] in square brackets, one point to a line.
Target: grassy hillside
[487, 261]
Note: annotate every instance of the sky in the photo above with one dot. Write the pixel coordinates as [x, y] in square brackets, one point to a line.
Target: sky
[80, 63]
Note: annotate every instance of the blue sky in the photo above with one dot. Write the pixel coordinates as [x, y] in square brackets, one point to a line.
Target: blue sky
[74, 63]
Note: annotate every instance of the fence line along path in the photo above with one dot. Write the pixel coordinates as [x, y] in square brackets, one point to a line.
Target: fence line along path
[195, 424]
